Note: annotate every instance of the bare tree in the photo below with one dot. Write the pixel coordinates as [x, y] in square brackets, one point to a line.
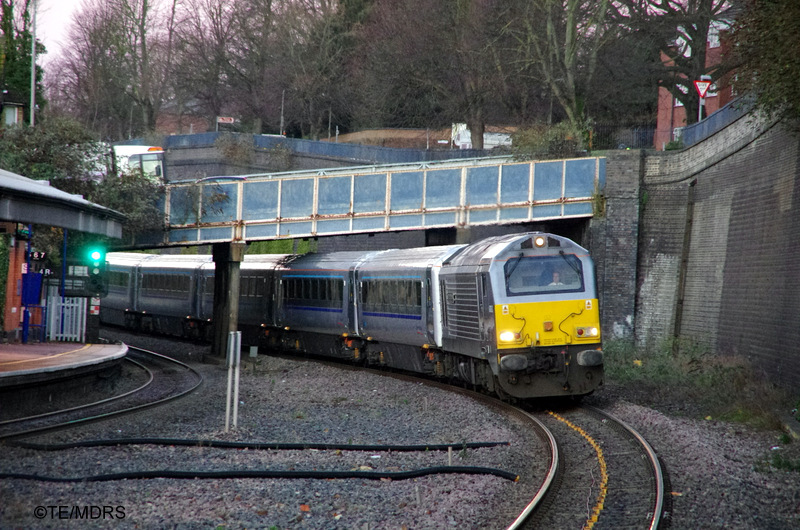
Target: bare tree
[558, 41]
[203, 66]
[113, 77]
[429, 63]
[313, 58]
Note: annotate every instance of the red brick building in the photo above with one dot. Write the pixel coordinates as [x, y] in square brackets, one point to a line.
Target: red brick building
[672, 113]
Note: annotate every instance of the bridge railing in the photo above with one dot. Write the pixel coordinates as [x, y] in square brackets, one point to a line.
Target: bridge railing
[378, 198]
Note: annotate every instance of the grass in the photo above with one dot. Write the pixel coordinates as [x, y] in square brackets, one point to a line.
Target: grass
[693, 380]
[282, 246]
[780, 462]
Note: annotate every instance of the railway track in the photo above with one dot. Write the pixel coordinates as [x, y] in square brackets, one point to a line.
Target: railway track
[166, 379]
[609, 477]
[590, 471]
[595, 462]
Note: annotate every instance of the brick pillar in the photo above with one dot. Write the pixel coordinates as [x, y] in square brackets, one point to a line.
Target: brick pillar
[13, 308]
[614, 243]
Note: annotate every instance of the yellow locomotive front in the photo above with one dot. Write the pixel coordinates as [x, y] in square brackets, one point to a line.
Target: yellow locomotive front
[546, 318]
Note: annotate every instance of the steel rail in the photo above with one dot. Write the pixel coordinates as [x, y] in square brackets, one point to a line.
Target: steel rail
[107, 415]
[548, 482]
[658, 474]
[88, 405]
[507, 408]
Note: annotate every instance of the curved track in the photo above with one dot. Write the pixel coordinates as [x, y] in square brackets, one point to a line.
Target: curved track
[611, 477]
[167, 380]
[537, 426]
[621, 471]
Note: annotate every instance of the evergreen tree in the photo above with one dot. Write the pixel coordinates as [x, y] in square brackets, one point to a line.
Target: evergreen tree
[766, 38]
[15, 57]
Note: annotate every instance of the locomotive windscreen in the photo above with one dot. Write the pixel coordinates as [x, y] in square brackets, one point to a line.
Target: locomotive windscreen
[527, 275]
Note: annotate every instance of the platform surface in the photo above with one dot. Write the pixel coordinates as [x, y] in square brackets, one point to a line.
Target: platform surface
[18, 361]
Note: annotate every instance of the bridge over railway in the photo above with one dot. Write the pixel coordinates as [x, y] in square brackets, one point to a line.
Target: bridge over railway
[228, 211]
[378, 198]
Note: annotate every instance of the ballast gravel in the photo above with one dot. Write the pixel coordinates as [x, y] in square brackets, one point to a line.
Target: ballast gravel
[291, 401]
[718, 473]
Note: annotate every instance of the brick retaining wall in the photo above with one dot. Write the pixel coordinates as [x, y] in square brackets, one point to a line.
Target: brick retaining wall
[741, 292]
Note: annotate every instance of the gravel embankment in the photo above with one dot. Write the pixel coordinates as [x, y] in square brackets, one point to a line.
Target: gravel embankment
[717, 471]
[286, 401]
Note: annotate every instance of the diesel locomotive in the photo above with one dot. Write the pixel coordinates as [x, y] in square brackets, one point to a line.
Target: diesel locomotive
[516, 314]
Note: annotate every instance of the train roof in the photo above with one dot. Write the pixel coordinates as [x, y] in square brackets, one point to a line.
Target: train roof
[252, 261]
[328, 261]
[498, 247]
[157, 261]
[411, 258]
[259, 261]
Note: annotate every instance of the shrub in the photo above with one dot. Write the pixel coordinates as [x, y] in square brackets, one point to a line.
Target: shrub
[701, 383]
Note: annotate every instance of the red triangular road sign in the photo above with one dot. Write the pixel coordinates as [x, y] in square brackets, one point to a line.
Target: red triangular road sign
[702, 87]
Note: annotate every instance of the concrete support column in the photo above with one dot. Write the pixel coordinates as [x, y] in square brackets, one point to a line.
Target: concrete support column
[227, 259]
[463, 236]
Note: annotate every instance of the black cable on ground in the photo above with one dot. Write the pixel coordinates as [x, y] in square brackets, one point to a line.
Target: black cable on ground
[281, 446]
[268, 474]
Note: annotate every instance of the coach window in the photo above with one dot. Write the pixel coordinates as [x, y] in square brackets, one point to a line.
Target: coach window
[381, 295]
[118, 279]
[338, 286]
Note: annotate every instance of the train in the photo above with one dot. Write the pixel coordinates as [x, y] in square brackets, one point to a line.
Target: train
[516, 315]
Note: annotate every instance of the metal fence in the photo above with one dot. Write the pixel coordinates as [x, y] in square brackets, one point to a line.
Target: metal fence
[358, 154]
[66, 320]
[612, 136]
[692, 134]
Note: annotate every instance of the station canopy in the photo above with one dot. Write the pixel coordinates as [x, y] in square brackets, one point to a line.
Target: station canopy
[29, 201]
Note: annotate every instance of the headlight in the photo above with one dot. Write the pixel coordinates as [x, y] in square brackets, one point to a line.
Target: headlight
[587, 332]
[509, 336]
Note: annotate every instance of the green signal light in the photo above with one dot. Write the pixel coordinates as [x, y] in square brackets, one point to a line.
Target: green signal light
[95, 255]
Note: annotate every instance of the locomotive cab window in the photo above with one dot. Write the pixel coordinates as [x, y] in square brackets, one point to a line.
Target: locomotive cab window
[543, 274]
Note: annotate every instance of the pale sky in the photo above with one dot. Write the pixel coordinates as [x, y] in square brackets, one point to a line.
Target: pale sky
[54, 18]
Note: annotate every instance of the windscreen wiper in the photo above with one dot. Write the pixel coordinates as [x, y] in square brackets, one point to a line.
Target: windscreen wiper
[574, 266]
[513, 266]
